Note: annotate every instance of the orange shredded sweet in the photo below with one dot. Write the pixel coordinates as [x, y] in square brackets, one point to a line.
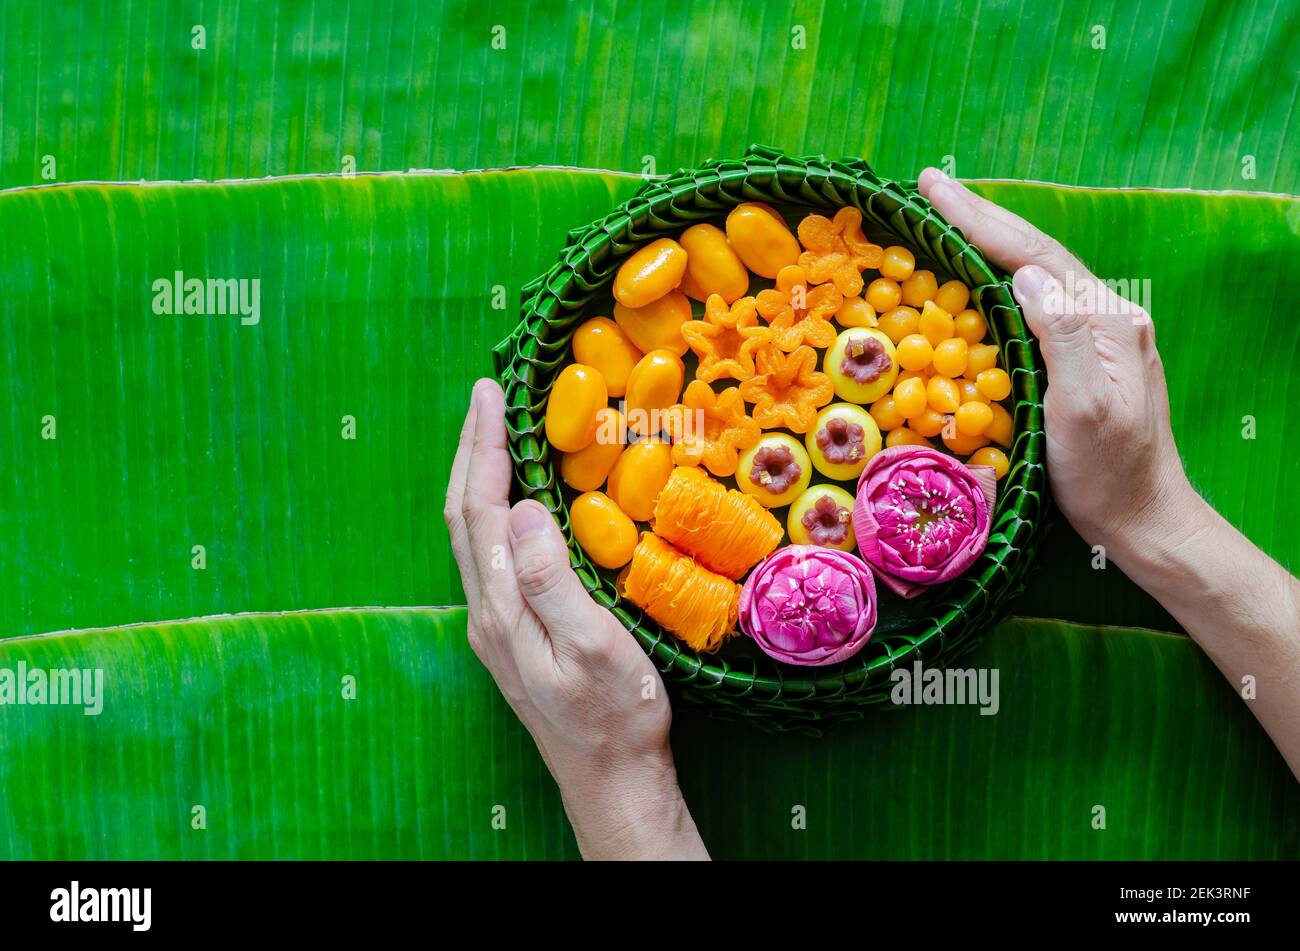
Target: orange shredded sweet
[837, 250]
[683, 596]
[724, 530]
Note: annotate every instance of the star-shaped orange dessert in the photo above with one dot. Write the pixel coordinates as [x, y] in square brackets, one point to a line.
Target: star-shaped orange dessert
[788, 389]
[726, 339]
[798, 314]
[711, 428]
[836, 250]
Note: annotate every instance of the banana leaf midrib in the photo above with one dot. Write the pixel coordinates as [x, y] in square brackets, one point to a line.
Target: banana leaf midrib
[367, 609]
[246, 713]
[975, 183]
[431, 227]
[318, 82]
[202, 618]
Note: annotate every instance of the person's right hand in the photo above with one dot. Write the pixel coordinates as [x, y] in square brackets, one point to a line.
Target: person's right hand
[1113, 465]
[1116, 474]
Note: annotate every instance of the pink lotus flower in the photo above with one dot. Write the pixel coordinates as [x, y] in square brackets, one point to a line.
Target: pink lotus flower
[809, 605]
[921, 517]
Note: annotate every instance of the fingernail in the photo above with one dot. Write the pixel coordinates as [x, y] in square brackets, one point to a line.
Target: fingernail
[939, 182]
[528, 519]
[1029, 280]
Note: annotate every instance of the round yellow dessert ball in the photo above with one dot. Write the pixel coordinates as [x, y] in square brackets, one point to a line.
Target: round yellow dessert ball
[991, 456]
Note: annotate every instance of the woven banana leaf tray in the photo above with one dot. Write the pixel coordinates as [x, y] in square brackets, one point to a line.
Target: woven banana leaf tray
[937, 628]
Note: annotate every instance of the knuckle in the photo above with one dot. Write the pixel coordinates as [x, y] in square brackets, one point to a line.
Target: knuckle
[451, 515]
[538, 574]
[1090, 409]
[1085, 299]
[598, 650]
[592, 644]
[473, 517]
[1048, 253]
[1063, 321]
[478, 500]
[1146, 327]
[1150, 352]
[475, 637]
[981, 219]
[472, 502]
[490, 622]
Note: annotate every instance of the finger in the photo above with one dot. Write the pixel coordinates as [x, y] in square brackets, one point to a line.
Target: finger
[1006, 238]
[548, 583]
[1012, 242]
[452, 510]
[1121, 329]
[453, 515]
[486, 505]
[485, 509]
[1065, 337]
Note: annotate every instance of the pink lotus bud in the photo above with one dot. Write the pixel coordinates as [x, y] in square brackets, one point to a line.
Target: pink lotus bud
[921, 517]
[809, 605]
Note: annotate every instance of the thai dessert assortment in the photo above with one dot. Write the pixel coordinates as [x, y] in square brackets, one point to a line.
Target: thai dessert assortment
[824, 419]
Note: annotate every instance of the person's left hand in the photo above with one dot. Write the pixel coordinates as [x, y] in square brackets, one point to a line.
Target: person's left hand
[574, 676]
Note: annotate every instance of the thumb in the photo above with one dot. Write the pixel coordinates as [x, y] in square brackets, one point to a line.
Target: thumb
[1063, 333]
[547, 582]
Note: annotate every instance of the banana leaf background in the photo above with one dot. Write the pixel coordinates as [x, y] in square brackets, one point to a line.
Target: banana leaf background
[1172, 154]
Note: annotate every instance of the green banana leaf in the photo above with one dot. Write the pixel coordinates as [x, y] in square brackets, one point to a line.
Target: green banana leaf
[247, 718]
[380, 299]
[1185, 93]
[174, 431]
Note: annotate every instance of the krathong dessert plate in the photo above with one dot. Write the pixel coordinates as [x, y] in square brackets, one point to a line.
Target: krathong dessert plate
[779, 358]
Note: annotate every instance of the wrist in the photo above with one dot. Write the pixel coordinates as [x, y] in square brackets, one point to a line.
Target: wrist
[1161, 545]
[632, 809]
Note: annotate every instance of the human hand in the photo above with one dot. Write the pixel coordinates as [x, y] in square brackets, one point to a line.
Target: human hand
[1114, 469]
[1116, 473]
[574, 676]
